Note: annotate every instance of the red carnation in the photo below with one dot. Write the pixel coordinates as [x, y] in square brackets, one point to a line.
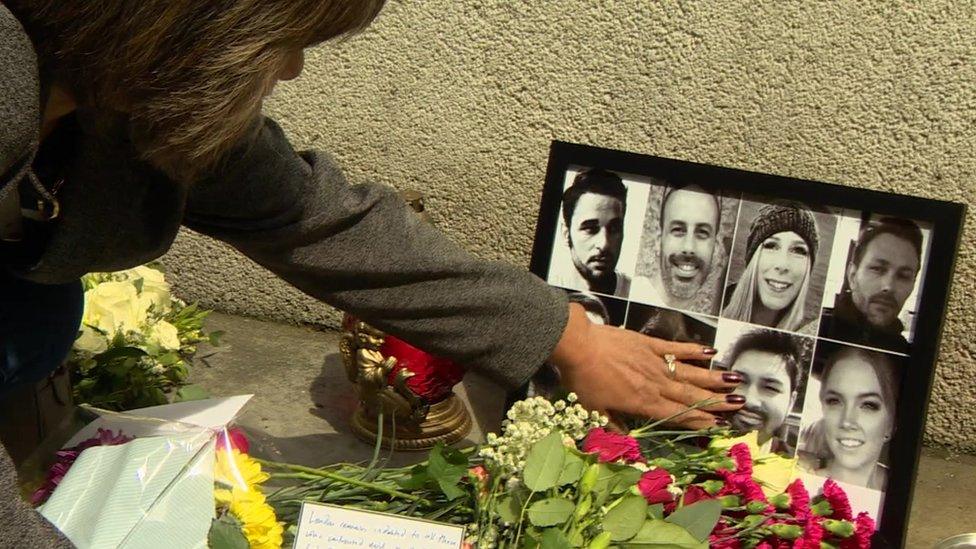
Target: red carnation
[653, 485]
[743, 459]
[799, 500]
[434, 377]
[837, 498]
[233, 439]
[610, 446]
[812, 535]
[694, 494]
[723, 536]
[864, 527]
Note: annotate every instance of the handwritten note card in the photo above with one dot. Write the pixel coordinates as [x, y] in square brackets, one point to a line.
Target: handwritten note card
[327, 526]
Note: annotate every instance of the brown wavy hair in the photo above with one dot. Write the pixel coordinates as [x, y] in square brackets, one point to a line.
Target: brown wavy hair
[189, 75]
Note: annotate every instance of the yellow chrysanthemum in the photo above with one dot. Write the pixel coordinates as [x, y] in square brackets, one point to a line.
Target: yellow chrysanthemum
[234, 469]
[259, 524]
[772, 471]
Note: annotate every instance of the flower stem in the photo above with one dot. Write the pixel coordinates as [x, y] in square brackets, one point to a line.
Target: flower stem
[347, 480]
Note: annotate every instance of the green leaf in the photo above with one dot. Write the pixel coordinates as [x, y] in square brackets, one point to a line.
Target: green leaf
[699, 518]
[544, 464]
[553, 538]
[508, 509]
[550, 512]
[655, 511]
[417, 479]
[191, 392]
[658, 534]
[626, 518]
[446, 467]
[573, 469]
[614, 479]
[225, 533]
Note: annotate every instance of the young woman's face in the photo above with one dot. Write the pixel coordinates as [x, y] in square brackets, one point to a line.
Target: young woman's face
[857, 421]
[784, 259]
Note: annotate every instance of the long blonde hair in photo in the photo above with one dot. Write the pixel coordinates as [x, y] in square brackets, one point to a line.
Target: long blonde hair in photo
[740, 305]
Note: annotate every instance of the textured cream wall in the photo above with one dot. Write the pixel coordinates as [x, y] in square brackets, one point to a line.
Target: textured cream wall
[460, 98]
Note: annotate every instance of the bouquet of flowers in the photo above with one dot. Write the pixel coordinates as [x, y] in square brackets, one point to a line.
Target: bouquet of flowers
[557, 478]
[244, 518]
[136, 341]
[173, 473]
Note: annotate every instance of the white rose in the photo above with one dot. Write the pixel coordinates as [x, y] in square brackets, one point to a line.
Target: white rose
[164, 334]
[112, 307]
[155, 287]
[90, 341]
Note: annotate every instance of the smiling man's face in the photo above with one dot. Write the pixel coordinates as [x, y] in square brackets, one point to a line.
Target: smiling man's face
[689, 228]
[768, 389]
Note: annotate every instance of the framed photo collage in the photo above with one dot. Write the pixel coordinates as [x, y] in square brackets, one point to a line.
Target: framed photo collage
[827, 300]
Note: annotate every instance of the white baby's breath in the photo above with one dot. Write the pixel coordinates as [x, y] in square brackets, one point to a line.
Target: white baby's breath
[530, 420]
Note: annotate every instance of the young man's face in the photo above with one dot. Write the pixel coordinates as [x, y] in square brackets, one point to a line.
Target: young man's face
[688, 236]
[884, 279]
[768, 390]
[595, 234]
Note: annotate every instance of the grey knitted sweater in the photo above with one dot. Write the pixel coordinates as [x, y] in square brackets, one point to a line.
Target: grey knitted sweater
[358, 248]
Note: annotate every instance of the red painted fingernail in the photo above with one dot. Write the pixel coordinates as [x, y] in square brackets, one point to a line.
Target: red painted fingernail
[732, 377]
[722, 422]
[709, 351]
[735, 399]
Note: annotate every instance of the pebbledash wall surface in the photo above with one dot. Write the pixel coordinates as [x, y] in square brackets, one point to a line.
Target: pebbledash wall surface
[460, 99]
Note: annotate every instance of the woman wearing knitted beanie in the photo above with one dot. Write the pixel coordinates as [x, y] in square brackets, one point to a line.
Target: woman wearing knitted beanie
[780, 251]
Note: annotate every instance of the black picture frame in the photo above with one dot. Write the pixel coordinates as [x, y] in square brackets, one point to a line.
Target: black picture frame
[943, 221]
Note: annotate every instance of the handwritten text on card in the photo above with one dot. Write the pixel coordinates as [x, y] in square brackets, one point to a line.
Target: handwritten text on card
[326, 526]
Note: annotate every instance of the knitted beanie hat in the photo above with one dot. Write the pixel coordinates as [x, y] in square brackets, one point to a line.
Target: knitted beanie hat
[783, 216]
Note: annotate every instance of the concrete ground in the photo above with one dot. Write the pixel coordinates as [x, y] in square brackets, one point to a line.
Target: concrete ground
[302, 404]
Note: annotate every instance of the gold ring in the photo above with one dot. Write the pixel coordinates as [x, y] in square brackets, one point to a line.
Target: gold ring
[672, 367]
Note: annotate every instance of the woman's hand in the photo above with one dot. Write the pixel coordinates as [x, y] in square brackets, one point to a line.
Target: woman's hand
[617, 371]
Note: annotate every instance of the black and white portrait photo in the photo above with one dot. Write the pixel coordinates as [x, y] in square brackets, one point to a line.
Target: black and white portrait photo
[824, 302]
[672, 325]
[600, 309]
[684, 249]
[849, 418]
[774, 366]
[779, 265]
[876, 270]
[599, 227]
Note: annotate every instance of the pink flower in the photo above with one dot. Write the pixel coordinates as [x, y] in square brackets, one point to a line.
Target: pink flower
[233, 439]
[812, 535]
[744, 486]
[66, 458]
[799, 500]
[723, 536]
[479, 477]
[837, 498]
[863, 530]
[694, 494]
[610, 446]
[653, 485]
[743, 459]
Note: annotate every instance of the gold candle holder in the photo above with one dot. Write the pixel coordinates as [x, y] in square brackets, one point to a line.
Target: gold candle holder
[410, 421]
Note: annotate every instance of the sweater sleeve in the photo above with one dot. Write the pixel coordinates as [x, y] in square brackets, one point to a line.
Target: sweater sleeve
[362, 250]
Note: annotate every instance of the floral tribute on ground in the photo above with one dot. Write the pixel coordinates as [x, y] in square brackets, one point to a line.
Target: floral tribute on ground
[556, 477]
[136, 342]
